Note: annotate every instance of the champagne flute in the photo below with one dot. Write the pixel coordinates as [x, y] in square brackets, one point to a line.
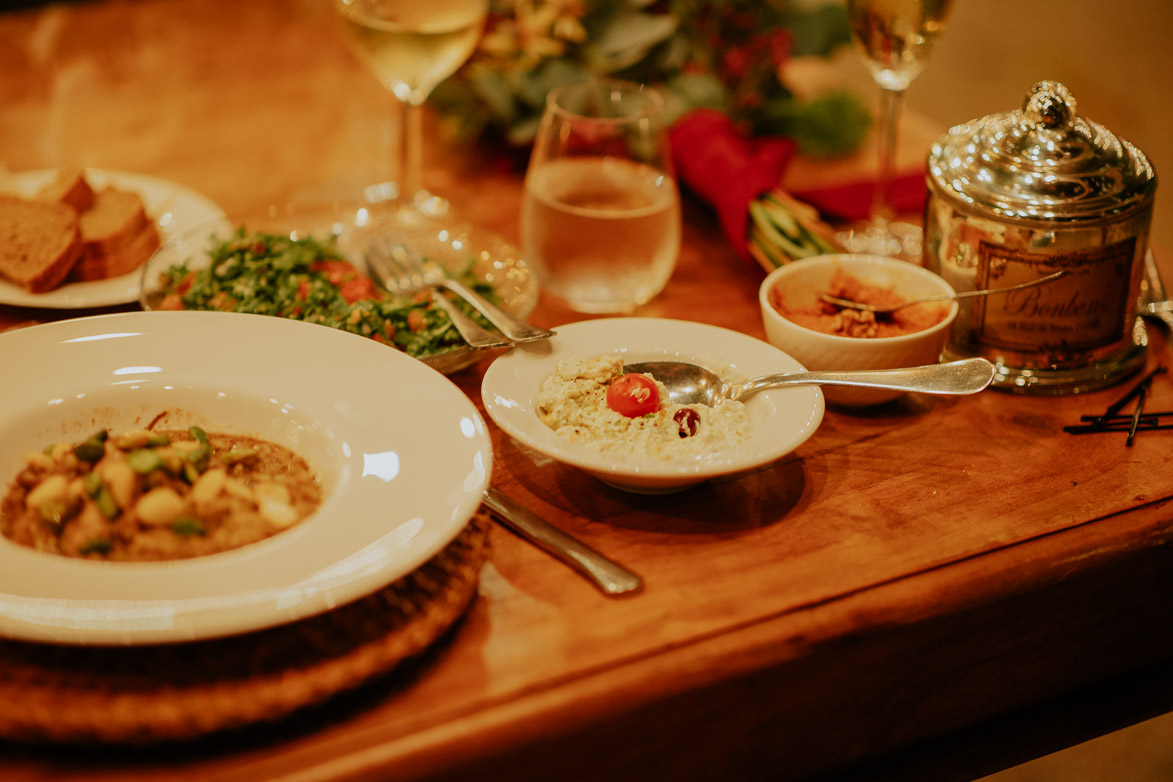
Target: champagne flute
[411, 46]
[600, 219]
[896, 38]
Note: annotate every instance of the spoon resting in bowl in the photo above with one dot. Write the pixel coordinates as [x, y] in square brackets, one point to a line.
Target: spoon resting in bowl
[689, 384]
[883, 309]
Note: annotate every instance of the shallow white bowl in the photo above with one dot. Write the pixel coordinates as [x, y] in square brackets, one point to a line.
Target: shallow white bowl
[803, 280]
[402, 454]
[781, 419]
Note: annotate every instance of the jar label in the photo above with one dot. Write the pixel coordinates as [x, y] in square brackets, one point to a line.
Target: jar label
[1080, 312]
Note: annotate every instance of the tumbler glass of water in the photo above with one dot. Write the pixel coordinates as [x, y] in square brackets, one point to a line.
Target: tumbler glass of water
[600, 219]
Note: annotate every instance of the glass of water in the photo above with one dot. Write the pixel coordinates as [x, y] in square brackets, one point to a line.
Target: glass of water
[600, 220]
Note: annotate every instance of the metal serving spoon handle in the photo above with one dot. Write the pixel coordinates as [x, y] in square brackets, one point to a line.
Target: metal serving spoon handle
[851, 304]
[967, 376]
[690, 384]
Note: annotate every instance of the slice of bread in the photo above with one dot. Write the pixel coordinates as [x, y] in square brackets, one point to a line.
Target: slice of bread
[40, 242]
[118, 261]
[115, 217]
[69, 186]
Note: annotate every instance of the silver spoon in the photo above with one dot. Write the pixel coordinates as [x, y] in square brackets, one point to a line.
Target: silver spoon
[689, 384]
[851, 304]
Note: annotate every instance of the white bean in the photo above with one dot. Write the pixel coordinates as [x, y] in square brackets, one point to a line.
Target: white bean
[160, 506]
[208, 486]
[276, 492]
[119, 479]
[273, 504]
[276, 512]
[239, 489]
[52, 489]
[135, 439]
[39, 459]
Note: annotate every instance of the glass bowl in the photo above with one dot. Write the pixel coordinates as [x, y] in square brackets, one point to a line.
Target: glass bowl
[354, 225]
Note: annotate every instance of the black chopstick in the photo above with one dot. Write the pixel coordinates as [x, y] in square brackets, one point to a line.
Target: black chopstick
[1120, 427]
[1123, 417]
[1143, 385]
[1112, 420]
[1136, 416]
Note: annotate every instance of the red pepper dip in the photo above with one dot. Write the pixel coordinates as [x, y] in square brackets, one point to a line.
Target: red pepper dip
[838, 321]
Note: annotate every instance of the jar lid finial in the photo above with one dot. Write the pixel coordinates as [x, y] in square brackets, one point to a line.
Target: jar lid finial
[1049, 105]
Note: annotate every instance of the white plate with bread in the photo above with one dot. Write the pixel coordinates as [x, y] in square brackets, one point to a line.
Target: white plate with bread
[77, 238]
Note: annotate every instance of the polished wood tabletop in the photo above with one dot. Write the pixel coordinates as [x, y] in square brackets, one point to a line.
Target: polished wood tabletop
[913, 569]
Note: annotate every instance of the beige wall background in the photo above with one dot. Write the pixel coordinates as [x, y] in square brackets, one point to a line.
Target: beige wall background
[1115, 56]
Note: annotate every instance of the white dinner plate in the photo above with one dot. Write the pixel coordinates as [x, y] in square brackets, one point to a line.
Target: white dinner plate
[173, 207]
[781, 419]
[402, 454]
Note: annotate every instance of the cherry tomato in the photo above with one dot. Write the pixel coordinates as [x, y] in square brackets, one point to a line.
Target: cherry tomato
[172, 301]
[416, 321]
[185, 284]
[633, 395]
[357, 289]
[336, 271]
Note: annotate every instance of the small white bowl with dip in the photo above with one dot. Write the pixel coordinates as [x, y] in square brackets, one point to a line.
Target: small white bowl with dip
[796, 287]
[780, 419]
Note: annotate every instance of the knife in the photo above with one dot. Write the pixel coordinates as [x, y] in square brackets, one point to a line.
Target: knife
[609, 576]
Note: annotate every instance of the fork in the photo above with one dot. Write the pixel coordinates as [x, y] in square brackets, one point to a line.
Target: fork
[412, 271]
[391, 270]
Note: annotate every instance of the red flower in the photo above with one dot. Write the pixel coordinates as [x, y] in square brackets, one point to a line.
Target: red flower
[780, 47]
[735, 65]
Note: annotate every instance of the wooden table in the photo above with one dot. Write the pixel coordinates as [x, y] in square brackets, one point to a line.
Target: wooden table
[911, 570]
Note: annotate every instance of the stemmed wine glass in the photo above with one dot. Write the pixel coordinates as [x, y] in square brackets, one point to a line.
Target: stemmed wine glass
[896, 38]
[411, 46]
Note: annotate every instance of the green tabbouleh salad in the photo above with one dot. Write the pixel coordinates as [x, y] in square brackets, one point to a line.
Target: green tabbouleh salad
[307, 279]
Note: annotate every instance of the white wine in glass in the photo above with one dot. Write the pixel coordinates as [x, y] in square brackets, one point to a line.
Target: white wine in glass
[896, 38]
[411, 46]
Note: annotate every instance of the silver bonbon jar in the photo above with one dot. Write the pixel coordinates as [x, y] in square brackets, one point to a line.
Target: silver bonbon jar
[1018, 196]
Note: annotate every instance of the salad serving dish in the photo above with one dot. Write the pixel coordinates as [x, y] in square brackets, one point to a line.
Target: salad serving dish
[354, 228]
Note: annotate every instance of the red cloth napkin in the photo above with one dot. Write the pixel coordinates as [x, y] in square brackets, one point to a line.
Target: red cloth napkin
[853, 200]
[729, 171]
[726, 169]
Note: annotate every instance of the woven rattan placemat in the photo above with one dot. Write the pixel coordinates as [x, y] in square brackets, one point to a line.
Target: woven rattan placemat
[147, 694]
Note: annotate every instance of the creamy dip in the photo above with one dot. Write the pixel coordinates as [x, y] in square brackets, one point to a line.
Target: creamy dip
[838, 321]
[573, 402]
